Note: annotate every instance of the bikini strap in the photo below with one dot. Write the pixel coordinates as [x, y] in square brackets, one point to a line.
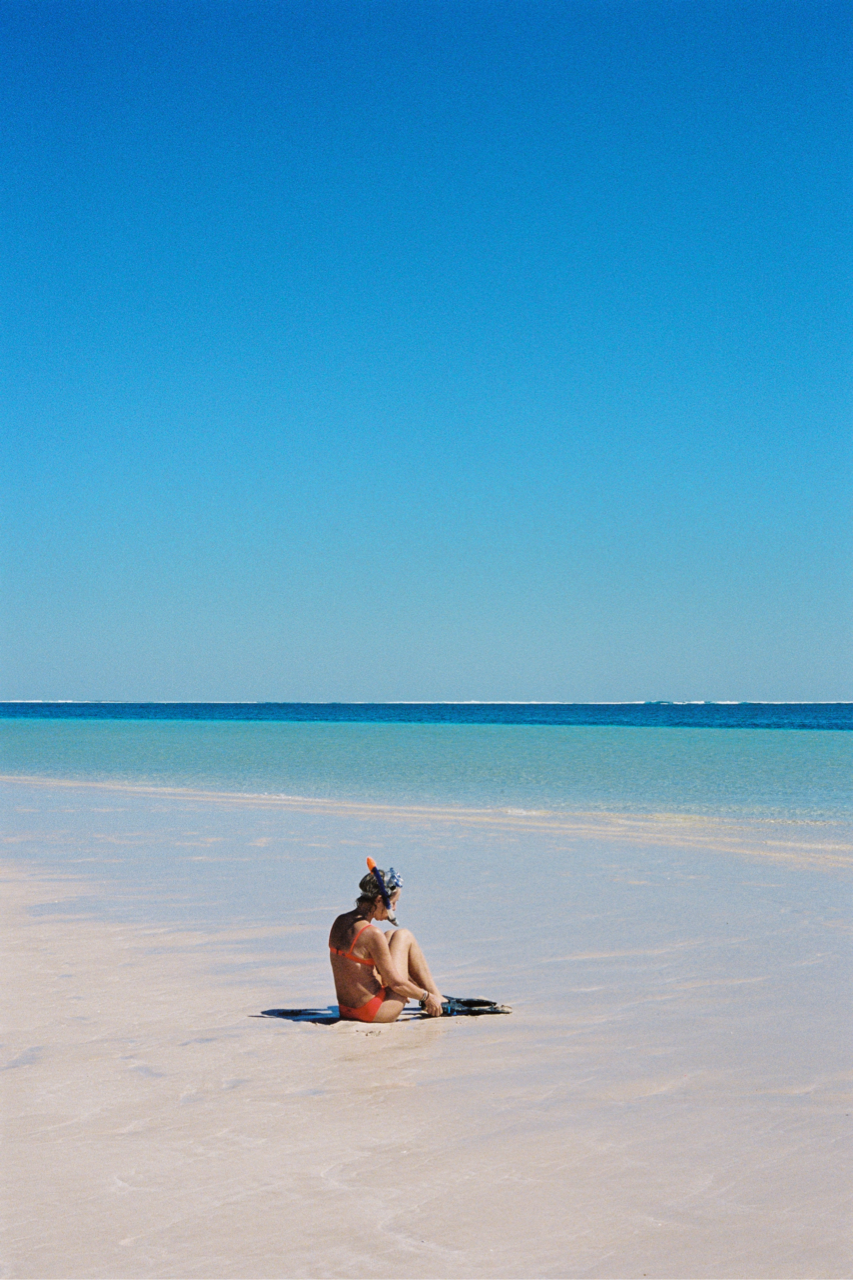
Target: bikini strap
[355, 940]
[348, 955]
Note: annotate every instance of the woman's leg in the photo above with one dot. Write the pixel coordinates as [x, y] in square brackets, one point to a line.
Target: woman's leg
[391, 1008]
[409, 957]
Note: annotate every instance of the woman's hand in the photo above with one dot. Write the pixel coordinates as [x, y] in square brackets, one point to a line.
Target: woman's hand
[432, 1005]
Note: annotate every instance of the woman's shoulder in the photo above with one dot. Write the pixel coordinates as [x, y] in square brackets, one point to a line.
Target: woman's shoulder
[342, 928]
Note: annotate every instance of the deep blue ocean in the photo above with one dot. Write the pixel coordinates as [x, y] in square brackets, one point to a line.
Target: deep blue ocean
[695, 715]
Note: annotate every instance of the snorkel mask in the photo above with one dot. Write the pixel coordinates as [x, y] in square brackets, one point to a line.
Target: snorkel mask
[387, 886]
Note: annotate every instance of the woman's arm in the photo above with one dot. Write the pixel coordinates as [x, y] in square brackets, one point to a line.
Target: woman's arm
[388, 971]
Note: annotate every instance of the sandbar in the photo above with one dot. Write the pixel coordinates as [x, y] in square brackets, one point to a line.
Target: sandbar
[670, 1097]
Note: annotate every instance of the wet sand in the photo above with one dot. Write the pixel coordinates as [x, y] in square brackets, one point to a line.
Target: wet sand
[670, 1097]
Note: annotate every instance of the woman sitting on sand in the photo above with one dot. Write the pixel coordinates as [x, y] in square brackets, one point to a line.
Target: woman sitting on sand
[359, 952]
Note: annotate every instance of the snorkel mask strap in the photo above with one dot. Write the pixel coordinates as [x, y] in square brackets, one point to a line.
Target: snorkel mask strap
[383, 891]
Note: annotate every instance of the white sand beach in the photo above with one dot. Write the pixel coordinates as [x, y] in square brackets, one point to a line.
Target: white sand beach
[669, 1098]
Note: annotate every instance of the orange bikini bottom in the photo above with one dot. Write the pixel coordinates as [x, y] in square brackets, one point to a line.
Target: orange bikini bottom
[367, 1012]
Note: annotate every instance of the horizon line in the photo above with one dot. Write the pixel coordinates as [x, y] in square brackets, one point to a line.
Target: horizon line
[426, 702]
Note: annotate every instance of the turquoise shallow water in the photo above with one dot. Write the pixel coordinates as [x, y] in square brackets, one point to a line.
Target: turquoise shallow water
[729, 772]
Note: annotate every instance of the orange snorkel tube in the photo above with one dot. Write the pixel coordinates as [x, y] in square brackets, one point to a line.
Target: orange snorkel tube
[384, 894]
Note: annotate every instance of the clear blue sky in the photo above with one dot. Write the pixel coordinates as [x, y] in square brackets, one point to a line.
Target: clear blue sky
[392, 349]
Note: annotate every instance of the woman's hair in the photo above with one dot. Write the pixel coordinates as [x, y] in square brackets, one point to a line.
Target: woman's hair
[369, 885]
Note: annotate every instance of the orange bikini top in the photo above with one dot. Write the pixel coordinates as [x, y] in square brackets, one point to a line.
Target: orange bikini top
[348, 955]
